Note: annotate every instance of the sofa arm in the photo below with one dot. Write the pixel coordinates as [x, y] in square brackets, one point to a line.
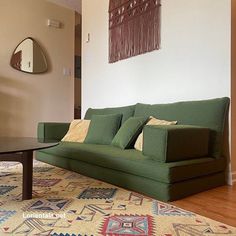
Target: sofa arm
[175, 142]
[52, 131]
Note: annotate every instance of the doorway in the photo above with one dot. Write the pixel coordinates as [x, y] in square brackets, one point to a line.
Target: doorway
[77, 82]
[233, 91]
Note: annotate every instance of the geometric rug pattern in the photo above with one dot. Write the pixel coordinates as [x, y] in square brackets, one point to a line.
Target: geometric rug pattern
[160, 208]
[48, 204]
[128, 225]
[45, 182]
[5, 189]
[97, 193]
[66, 203]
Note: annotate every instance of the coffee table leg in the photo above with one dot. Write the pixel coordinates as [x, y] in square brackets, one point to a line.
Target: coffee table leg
[27, 162]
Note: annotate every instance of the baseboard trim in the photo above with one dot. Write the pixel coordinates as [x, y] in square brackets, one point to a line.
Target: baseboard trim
[233, 177]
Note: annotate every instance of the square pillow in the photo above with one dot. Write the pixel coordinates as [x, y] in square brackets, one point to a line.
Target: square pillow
[103, 128]
[153, 121]
[128, 132]
[77, 131]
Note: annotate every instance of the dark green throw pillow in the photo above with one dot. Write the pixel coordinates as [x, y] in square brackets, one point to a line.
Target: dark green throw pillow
[103, 128]
[129, 132]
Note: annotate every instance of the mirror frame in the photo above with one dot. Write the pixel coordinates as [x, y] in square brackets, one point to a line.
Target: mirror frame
[43, 55]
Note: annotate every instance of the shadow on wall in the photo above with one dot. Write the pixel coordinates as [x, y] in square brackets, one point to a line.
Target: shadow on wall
[15, 106]
[48, 58]
[226, 150]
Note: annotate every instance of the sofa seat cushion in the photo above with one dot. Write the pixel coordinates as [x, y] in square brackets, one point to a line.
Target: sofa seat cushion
[134, 162]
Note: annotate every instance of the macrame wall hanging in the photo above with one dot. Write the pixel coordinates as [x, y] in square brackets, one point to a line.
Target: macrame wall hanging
[134, 28]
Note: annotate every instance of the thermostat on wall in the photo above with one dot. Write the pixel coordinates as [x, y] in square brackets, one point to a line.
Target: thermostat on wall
[54, 23]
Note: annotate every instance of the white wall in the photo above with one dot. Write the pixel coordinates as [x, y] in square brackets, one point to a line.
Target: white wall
[193, 63]
[26, 99]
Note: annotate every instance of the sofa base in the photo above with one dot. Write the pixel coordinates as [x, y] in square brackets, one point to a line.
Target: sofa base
[158, 190]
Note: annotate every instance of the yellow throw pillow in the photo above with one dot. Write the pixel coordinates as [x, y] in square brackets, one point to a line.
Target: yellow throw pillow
[153, 121]
[77, 131]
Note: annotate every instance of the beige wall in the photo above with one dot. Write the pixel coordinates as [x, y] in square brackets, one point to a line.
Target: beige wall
[233, 89]
[26, 99]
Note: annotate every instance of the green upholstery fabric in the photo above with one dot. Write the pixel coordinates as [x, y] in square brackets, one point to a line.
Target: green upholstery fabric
[103, 128]
[206, 113]
[134, 162]
[167, 143]
[52, 131]
[131, 169]
[129, 132]
[159, 190]
[127, 112]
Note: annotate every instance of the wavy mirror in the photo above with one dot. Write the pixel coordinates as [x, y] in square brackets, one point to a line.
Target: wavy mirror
[29, 57]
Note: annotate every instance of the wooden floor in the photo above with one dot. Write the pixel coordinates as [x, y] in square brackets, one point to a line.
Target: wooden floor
[218, 204]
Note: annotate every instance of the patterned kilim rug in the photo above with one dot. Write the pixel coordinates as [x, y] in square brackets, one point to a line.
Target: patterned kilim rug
[66, 203]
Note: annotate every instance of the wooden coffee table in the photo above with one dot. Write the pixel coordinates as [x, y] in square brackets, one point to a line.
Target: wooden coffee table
[21, 150]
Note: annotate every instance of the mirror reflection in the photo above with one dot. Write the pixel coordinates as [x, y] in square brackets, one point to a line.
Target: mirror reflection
[29, 57]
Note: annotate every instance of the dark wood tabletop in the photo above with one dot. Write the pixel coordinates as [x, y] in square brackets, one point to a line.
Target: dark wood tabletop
[18, 144]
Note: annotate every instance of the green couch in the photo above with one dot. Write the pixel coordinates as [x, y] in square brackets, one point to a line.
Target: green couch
[176, 161]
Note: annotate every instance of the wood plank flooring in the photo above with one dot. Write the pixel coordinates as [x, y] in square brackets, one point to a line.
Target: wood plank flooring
[218, 204]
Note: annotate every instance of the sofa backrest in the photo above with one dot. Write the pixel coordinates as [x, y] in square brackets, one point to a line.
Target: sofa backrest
[127, 112]
[206, 113]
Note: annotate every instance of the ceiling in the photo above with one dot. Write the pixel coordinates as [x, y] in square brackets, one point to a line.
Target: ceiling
[72, 4]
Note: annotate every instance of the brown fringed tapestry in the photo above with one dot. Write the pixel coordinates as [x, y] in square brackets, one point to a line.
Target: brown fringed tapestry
[134, 28]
